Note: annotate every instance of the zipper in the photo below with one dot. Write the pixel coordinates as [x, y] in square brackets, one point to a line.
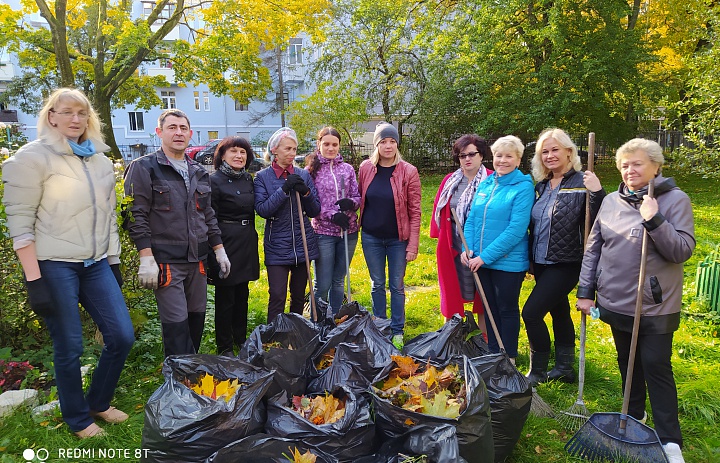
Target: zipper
[482, 230]
[292, 226]
[93, 199]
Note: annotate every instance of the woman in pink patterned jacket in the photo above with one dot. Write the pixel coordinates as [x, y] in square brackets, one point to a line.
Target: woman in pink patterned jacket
[337, 189]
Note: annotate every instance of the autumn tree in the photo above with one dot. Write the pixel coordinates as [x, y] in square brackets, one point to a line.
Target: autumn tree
[98, 46]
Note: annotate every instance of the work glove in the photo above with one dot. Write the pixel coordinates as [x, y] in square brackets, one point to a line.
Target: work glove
[341, 220]
[40, 297]
[301, 188]
[117, 274]
[290, 182]
[345, 204]
[148, 272]
[223, 261]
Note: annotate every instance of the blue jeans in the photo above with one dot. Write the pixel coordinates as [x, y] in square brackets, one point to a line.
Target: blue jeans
[97, 290]
[330, 268]
[377, 251]
[502, 290]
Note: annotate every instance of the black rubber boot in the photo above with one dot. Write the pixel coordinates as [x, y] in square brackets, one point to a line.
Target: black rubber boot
[196, 322]
[176, 338]
[564, 361]
[538, 367]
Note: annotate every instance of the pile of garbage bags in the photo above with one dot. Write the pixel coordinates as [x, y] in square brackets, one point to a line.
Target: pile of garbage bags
[342, 358]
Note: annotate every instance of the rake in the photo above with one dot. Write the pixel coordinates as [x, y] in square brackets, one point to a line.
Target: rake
[538, 406]
[574, 417]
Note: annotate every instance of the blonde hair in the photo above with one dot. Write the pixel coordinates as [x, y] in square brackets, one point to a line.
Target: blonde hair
[511, 142]
[48, 132]
[651, 148]
[375, 156]
[539, 171]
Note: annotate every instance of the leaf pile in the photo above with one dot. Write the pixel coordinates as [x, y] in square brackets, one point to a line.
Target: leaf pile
[432, 391]
[339, 320]
[211, 387]
[297, 457]
[320, 409]
[276, 344]
[325, 359]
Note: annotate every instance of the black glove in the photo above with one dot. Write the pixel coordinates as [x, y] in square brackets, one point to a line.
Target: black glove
[290, 182]
[117, 274]
[341, 220]
[346, 204]
[301, 188]
[40, 298]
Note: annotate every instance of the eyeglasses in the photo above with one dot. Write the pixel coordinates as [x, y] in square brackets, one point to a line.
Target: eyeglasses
[70, 115]
[468, 155]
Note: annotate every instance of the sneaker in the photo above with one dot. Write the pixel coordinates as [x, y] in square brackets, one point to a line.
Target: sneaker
[673, 452]
[398, 341]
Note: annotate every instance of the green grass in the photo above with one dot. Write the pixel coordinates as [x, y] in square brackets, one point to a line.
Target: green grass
[696, 357]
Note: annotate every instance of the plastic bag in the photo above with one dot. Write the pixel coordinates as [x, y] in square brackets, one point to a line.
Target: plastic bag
[438, 444]
[510, 397]
[473, 427]
[291, 362]
[264, 448]
[182, 426]
[350, 437]
[455, 337]
[353, 309]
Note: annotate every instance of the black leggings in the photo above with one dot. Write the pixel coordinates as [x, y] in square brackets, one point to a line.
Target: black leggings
[553, 283]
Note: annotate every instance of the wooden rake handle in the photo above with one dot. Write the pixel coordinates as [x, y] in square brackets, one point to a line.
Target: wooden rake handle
[307, 256]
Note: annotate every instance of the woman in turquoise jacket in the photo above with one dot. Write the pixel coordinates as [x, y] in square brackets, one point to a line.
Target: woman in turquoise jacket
[497, 233]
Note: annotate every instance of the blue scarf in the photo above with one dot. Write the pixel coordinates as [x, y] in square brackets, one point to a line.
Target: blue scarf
[84, 149]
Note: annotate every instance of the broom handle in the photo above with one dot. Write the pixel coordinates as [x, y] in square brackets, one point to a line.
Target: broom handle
[583, 317]
[636, 323]
[479, 285]
[307, 256]
[347, 252]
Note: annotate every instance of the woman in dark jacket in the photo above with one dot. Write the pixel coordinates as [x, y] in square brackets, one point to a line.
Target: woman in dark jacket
[275, 188]
[233, 200]
[557, 227]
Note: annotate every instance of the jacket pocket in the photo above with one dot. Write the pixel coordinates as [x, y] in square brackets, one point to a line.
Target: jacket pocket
[656, 290]
[202, 197]
[161, 197]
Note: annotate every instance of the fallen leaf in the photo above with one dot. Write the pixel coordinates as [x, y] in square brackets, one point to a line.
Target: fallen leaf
[538, 450]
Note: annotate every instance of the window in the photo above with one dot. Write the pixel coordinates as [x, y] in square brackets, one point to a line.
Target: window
[148, 7]
[206, 101]
[295, 51]
[240, 107]
[136, 121]
[196, 98]
[165, 63]
[285, 100]
[212, 134]
[168, 99]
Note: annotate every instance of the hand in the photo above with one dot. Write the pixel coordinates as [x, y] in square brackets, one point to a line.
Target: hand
[341, 220]
[40, 297]
[223, 261]
[345, 204]
[290, 182]
[591, 181]
[465, 257]
[410, 256]
[301, 188]
[648, 208]
[117, 274]
[148, 272]
[475, 263]
[585, 305]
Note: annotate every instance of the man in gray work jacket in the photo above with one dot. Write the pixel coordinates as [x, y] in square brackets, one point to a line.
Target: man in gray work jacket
[173, 226]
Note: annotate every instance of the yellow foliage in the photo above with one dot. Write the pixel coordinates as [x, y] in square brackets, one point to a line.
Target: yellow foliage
[208, 386]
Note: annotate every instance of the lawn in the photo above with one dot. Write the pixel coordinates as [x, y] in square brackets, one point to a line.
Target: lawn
[696, 358]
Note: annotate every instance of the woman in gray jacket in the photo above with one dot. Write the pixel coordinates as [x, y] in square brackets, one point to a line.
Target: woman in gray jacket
[60, 204]
[610, 272]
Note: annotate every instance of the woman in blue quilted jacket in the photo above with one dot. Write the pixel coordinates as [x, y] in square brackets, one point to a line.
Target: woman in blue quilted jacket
[275, 201]
[497, 233]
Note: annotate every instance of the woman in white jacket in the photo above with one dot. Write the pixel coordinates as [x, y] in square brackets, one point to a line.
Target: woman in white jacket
[60, 204]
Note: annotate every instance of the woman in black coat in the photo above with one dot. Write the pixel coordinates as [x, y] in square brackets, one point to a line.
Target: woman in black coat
[233, 200]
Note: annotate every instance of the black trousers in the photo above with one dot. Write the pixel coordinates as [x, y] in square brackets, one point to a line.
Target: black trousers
[278, 288]
[553, 283]
[653, 374]
[231, 313]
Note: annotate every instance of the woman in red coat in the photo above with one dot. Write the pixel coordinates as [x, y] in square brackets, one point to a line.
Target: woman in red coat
[456, 191]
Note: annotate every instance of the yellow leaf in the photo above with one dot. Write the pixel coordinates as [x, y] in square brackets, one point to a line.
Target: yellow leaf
[538, 450]
[207, 385]
[221, 388]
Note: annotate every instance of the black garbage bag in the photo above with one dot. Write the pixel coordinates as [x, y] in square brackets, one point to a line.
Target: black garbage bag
[473, 426]
[264, 448]
[353, 309]
[348, 438]
[510, 397]
[182, 426]
[437, 444]
[455, 337]
[296, 338]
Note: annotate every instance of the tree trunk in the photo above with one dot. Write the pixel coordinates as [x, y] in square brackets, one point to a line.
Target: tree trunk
[102, 106]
